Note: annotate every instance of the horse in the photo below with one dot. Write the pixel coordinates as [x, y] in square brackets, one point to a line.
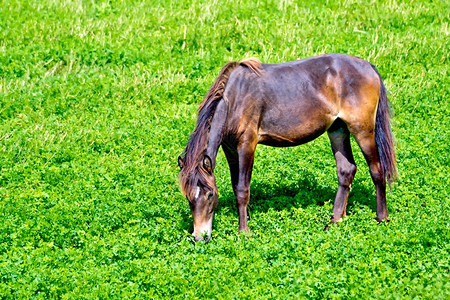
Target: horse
[284, 105]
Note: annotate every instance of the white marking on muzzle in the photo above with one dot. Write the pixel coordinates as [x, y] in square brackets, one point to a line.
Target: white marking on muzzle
[202, 229]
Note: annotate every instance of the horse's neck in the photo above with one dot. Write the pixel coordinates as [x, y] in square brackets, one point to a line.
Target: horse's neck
[216, 131]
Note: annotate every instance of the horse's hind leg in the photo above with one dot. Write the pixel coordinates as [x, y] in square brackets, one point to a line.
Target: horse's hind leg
[346, 167]
[367, 143]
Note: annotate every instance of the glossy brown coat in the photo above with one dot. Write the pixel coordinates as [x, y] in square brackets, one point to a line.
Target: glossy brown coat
[284, 105]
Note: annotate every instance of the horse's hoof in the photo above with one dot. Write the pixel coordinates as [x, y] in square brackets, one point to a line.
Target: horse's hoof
[382, 220]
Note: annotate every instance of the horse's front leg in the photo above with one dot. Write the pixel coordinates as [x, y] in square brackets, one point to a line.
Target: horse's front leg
[233, 163]
[246, 154]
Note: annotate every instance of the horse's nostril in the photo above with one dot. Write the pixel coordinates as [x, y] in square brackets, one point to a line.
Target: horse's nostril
[197, 238]
[205, 238]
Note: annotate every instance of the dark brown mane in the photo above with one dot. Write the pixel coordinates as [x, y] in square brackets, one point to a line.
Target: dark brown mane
[192, 173]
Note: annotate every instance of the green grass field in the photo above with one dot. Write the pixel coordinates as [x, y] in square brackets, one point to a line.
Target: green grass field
[98, 98]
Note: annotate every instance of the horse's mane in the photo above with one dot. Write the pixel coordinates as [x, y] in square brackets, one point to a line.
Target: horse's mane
[195, 148]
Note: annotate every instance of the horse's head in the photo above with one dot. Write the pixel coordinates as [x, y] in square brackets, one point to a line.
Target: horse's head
[198, 184]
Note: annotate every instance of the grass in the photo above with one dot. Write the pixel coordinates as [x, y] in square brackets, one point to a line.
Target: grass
[97, 100]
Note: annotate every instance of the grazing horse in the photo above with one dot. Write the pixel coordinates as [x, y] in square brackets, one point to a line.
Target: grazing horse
[285, 105]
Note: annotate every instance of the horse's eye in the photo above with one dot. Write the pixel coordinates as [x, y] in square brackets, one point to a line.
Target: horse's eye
[210, 196]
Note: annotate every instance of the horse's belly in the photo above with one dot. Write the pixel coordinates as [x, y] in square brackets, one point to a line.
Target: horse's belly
[287, 134]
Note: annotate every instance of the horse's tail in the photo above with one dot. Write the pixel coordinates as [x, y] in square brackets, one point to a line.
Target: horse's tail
[383, 135]
[199, 138]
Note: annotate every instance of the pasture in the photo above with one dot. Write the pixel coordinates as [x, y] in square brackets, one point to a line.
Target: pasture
[98, 98]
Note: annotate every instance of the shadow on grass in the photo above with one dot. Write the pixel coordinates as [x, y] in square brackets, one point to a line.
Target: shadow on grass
[267, 195]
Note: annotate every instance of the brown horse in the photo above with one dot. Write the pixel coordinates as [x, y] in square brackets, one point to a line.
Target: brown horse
[284, 105]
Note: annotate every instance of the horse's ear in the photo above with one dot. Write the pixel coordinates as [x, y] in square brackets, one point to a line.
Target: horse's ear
[180, 162]
[207, 164]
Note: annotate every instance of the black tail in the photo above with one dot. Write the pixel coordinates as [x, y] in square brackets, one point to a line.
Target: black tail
[383, 135]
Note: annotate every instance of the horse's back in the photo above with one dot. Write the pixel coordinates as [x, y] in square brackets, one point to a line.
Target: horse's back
[294, 102]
